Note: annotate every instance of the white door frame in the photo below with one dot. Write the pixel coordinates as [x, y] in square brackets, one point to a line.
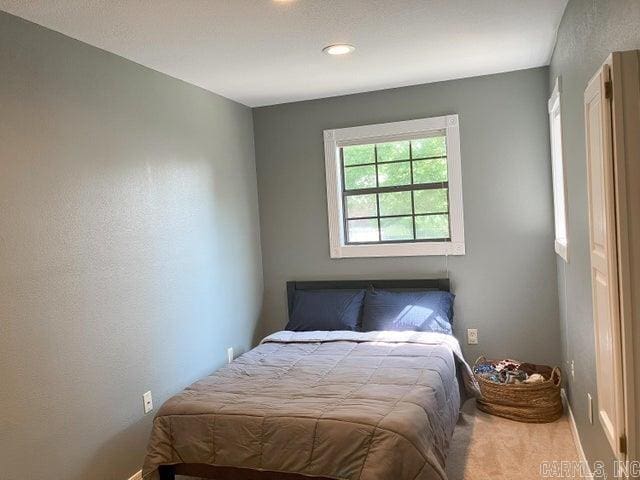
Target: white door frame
[625, 116]
[622, 87]
[604, 261]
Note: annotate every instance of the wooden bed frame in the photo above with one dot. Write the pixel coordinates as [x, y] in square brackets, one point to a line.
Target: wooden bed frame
[201, 470]
[168, 472]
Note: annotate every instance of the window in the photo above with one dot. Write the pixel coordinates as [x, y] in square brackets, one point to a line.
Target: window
[395, 189]
[557, 171]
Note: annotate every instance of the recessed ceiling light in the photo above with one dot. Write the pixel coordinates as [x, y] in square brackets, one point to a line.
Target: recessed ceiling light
[338, 49]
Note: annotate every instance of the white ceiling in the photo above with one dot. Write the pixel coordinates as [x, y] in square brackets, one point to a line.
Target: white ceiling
[262, 52]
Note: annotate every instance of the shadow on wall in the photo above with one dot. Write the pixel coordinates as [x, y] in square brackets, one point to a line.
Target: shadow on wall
[123, 446]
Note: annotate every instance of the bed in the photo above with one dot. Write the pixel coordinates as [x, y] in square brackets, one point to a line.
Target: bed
[320, 404]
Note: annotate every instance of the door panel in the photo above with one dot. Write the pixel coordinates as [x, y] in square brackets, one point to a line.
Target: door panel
[604, 274]
[598, 218]
[606, 392]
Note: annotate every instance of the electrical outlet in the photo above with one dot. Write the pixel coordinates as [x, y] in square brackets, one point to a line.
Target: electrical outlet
[472, 336]
[147, 401]
[590, 408]
[229, 354]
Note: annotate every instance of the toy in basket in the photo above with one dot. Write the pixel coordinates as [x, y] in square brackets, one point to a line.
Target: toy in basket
[519, 391]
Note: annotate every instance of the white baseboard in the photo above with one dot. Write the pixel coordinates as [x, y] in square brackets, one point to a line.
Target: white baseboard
[576, 436]
[136, 476]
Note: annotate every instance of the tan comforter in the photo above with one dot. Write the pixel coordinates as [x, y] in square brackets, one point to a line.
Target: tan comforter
[344, 405]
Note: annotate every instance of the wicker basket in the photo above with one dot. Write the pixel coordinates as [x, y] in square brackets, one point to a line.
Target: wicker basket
[524, 402]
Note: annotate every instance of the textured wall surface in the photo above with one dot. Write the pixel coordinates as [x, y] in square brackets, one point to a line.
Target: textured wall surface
[129, 250]
[589, 31]
[506, 283]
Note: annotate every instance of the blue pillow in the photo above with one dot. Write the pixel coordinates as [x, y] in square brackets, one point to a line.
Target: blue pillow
[326, 310]
[423, 311]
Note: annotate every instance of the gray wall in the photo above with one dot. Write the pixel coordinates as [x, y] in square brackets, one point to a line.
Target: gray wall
[589, 31]
[129, 250]
[506, 283]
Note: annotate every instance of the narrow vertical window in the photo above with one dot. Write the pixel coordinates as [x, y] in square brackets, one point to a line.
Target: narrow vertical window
[558, 175]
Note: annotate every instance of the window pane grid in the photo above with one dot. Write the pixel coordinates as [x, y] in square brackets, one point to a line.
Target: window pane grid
[408, 240]
[384, 162]
[375, 156]
[399, 215]
[414, 220]
[398, 188]
[413, 200]
[399, 221]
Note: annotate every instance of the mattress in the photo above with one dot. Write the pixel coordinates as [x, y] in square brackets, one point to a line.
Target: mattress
[339, 405]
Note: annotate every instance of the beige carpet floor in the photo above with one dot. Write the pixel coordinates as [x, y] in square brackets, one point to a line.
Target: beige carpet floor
[486, 447]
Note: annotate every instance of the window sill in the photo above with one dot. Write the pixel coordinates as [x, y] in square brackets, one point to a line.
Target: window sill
[417, 249]
[562, 249]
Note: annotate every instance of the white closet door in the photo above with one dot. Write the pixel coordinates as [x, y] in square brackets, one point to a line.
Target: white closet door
[604, 275]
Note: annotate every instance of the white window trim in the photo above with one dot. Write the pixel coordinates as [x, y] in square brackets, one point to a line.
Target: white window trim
[559, 181]
[337, 138]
